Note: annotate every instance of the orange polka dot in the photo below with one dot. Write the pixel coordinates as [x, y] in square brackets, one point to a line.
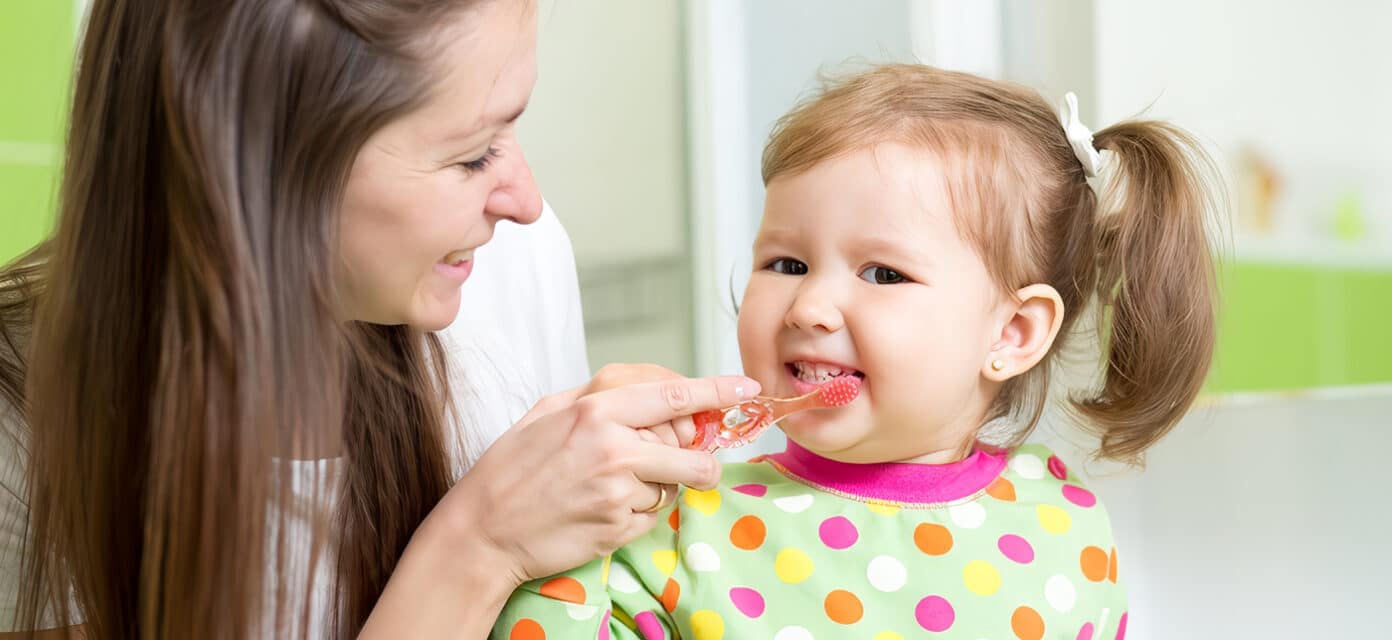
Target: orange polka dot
[674, 519]
[670, 593]
[564, 589]
[843, 607]
[1027, 624]
[1001, 489]
[1112, 566]
[933, 539]
[748, 533]
[1094, 563]
[527, 629]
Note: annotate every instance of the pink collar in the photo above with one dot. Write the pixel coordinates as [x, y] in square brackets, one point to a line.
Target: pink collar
[892, 481]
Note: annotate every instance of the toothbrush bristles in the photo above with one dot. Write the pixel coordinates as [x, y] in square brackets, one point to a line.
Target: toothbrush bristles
[840, 391]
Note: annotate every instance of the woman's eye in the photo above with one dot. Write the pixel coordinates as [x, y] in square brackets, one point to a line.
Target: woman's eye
[788, 266]
[474, 166]
[882, 275]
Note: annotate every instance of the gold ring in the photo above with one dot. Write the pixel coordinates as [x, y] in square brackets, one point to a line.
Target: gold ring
[661, 500]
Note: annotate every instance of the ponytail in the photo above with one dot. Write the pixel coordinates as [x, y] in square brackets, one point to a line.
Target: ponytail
[1155, 287]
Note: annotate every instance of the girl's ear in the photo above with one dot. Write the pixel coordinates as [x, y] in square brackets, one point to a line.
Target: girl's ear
[1027, 335]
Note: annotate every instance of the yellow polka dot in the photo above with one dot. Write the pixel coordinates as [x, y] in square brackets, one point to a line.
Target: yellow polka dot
[707, 502]
[981, 578]
[665, 561]
[1054, 519]
[707, 625]
[792, 566]
[883, 508]
[604, 570]
[888, 635]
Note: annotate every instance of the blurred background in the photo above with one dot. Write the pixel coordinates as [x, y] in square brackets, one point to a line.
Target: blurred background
[1259, 517]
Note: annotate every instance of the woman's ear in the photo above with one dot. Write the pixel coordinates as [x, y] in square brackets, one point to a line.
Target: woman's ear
[1029, 331]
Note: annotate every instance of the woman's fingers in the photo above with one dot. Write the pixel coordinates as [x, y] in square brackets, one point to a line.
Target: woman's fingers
[551, 404]
[653, 497]
[660, 464]
[615, 375]
[685, 430]
[652, 403]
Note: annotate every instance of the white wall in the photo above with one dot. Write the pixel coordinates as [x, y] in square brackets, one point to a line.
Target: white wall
[1303, 82]
[1258, 517]
[606, 136]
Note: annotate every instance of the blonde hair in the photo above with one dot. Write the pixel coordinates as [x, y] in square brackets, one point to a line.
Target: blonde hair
[1023, 201]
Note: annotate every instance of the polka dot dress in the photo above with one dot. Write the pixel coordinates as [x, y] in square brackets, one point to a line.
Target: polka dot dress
[1027, 554]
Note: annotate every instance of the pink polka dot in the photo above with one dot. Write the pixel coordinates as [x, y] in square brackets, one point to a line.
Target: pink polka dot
[748, 601]
[756, 490]
[1057, 468]
[838, 533]
[1079, 496]
[1086, 632]
[603, 627]
[1121, 628]
[649, 626]
[1016, 548]
[934, 614]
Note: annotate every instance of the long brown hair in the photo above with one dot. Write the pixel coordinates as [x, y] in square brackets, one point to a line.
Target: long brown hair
[1141, 251]
[176, 340]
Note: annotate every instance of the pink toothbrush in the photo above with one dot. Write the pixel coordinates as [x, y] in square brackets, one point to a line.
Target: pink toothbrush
[743, 423]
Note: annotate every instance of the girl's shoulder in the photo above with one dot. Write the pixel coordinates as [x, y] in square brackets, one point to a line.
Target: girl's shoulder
[1038, 474]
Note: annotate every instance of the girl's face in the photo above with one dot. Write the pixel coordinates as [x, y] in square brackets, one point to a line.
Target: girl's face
[427, 189]
[860, 270]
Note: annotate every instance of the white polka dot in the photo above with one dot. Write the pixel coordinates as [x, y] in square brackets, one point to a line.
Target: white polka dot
[1028, 466]
[794, 504]
[793, 633]
[887, 574]
[1060, 594]
[702, 557]
[622, 580]
[967, 516]
[580, 611]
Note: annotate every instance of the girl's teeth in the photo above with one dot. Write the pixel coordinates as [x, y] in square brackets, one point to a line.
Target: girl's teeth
[456, 257]
[816, 373]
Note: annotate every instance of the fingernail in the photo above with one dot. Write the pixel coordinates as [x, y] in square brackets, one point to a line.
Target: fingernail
[747, 390]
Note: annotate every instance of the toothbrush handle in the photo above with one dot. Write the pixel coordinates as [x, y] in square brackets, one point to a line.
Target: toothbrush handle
[707, 426]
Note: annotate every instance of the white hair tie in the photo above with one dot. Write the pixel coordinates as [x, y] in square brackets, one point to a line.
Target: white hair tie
[1079, 136]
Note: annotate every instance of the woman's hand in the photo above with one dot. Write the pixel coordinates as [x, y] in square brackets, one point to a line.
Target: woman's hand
[580, 475]
[679, 432]
[576, 478]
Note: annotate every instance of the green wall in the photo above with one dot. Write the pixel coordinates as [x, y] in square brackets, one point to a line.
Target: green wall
[36, 42]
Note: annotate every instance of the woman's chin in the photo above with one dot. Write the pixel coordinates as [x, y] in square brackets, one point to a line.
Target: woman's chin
[434, 314]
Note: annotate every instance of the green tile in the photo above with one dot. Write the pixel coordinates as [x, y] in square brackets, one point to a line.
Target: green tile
[1290, 327]
[26, 206]
[1267, 329]
[36, 53]
[1367, 327]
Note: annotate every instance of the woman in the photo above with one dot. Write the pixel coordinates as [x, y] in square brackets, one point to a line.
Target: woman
[267, 207]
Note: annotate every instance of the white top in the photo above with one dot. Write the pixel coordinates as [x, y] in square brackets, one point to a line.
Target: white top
[519, 336]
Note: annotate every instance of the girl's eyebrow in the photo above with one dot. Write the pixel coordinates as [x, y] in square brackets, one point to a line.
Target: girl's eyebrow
[893, 250]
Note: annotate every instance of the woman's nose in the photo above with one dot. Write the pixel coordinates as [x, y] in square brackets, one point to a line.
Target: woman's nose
[516, 197]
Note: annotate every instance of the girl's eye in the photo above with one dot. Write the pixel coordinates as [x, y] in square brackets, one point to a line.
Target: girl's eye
[882, 275]
[788, 266]
[474, 166]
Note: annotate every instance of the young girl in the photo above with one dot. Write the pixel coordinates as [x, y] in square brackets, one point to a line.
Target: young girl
[934, 234]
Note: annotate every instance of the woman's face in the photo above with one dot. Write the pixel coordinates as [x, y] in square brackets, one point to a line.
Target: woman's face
[427, 189]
